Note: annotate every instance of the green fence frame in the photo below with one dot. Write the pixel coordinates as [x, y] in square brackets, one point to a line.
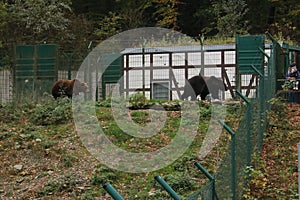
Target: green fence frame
[35, 70]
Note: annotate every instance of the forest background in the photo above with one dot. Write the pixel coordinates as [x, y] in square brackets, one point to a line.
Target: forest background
[72, 24]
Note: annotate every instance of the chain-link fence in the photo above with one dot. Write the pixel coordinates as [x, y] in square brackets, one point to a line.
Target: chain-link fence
[248, 138]
[6, 77]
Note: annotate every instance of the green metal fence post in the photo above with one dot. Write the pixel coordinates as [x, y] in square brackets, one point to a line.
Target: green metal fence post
[233, 163]
[248, 128]
[143, 65]
[209, 176]
[165, 185]
[261, 106]
[112, 191]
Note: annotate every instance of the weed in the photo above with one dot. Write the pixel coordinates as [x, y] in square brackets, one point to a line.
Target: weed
[140, 117]
[278, 108]
[52, 112]
[66, 183]
[103, 175]
[205, 112]
[104, 103]
[68, 160]
[10, 112]
[87, 197]
[138, 101]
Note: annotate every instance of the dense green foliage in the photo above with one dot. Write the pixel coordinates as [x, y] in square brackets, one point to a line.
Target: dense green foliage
[74, 23]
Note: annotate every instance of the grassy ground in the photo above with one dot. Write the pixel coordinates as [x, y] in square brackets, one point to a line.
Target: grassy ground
[42, 157]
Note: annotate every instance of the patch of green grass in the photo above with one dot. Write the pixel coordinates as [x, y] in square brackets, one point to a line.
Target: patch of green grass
[66, 183]
[140, 117]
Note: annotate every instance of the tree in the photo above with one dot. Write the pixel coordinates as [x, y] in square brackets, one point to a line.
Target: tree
[128, 14]
[258, 16]
[285, 19]
[230, 17]
[36, 21]
[108, 26]
[134, 13]
[93, 10]
[167, 13]
[3, 22]
[196, 17]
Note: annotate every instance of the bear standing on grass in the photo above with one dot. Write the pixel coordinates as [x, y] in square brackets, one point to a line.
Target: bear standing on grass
[203, 86]
[67, 88]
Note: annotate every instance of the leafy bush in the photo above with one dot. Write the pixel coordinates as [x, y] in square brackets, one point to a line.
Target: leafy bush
[104, 103]
[289, 85]
[52, 112]
[138, 101]
[10, 112]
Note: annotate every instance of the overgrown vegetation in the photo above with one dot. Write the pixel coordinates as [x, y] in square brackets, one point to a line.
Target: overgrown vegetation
[51, 112]
[72, 24]
[274, 172]
[47, 157]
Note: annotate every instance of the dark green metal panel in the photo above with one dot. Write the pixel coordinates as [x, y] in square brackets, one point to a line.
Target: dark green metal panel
[46, 58]
[113, 72]
[248, 53]
[46, 61]
[24, 70]
[24, 62]
[35, 69]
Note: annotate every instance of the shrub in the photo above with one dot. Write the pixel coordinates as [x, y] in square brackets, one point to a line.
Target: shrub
[52, 112]
[138, 101]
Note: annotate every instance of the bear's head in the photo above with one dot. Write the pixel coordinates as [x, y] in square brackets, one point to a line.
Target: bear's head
[80, 87]
[215, 84]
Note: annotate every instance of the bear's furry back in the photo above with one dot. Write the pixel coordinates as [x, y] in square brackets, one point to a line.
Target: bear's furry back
[64, 87]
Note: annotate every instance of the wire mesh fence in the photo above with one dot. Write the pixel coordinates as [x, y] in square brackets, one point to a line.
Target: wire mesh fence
[249, 134]
[206, 192]
[6, 77]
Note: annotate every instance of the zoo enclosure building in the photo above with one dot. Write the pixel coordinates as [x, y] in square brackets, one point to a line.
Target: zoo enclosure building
[159, 72]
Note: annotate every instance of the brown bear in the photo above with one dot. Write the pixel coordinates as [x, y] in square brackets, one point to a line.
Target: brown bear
[203, 86]
[67, 88]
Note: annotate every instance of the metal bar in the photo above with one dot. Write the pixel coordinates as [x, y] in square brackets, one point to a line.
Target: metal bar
[209, 176]
[143, 65]
[112, 191]
[204, 171]
[202, 55]
[257, 71]
[242, 96]
[170, 97]
[263, 52]
[270, 36]
[261, 106]
[233, 163]
[248, 128]
[165, 185]
[231, 132]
